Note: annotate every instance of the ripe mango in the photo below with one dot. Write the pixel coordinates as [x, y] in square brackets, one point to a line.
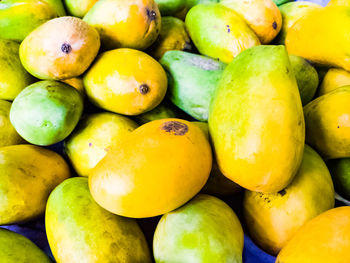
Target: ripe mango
[219, 32]
[338, 2]
[156, 165]
[28, 174]
[94, 137]
[170, 7]
[263, 16]
[192, 81]
[79, 8]
[327, 120]
[46, 112]
[333, 79]
[340, 171]
[330, 45]
[204, 230]
[13, 77]
[76, 83]
[324, 239]
[8, 134]
[253, 147]
[272, 219]
[69, 48]
[79, 230]
[130, 24]
[126, 81]
[15, 248]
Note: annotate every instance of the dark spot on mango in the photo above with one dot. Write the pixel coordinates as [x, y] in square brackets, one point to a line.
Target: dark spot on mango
[90, 144]
[338, 127]
[151, 14]
[144, 89]
[274, 25]
[175, 127]
[282, 192]
[187, 47]
[66, 48]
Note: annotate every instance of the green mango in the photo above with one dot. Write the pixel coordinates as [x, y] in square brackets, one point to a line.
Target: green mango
[79, 8]
[192, 81]
[13, 77]
[170, 7]
[340, 171]
[46, 112]
[79, 230]
[57, 5]
[219, 32]
[162, 111]
[204, 230]
[20, 17]
[256, 120]
[15, 248]
[8, 134]
[281, 2]
[306, 76]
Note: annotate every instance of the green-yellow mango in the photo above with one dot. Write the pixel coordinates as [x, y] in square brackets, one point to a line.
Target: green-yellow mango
[162, 111]
[170, 7]
[272, 219]
[28, 174]
[333, 79]
[79, 230]
[219, 32]
[8, 134]
[327, 120]
[15, 248]
[340, 171]
[256, 120]
[13, 77]
[79, 8]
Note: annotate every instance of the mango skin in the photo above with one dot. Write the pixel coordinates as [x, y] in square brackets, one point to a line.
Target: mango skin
[219, 32]
[125, 24]
[327, 237]
[273, 219]
[150, 169]
[327, 120]
[93, 138]
[252, 146]
[46, 112]
[76, 83]
[306, 76]
[340, 171]
[8, 134]
[173, 36]
[330, 46]
[13, 77]
[333, 79]
[188, 233]
[79, 230]
[192, 81]
[162, 111]
[126, 81]
[24, 170]
[78, 8]
[15, 248]
[170, 7]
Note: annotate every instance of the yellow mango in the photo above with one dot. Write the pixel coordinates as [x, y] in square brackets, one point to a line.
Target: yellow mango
[334, 78]
[338, 2]
[159, 167]
[8, 134]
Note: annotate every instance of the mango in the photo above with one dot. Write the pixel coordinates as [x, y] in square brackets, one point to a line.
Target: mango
[15, 248]
[8, 134]
[46, 112]
[281, 2]
[327, 120]
[173, 36]
[338, 2]
[333, 79]
[58, 6]
[25, 170]
[129, 24]
[158, 165]
[340, 171]
[93, 138]
[253, 147]
[330, 46]
[162, 111]
[192, 81]
[263, 16]
[204, 230]
[69, 48]
[170, 7]
[13, 77]
[272, 219]
[219, 32]
[79, 230]
[306, 76]
[76, 83]
[291, 12]
[126, 81]
[324, 239]
[20, 17]
[79, 8]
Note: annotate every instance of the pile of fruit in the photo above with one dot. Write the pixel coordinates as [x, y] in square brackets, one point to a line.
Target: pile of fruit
[166, 109]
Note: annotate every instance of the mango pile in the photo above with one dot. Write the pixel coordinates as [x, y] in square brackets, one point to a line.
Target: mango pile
[214, 119]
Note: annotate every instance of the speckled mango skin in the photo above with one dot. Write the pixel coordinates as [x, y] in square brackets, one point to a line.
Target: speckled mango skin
[273, 219]
[253, 147]
[13, 77]
[8, 134]
[327, 120]
[79, 230]
[129, 24]
[25, 170]
[15, 248]
[204, 230]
